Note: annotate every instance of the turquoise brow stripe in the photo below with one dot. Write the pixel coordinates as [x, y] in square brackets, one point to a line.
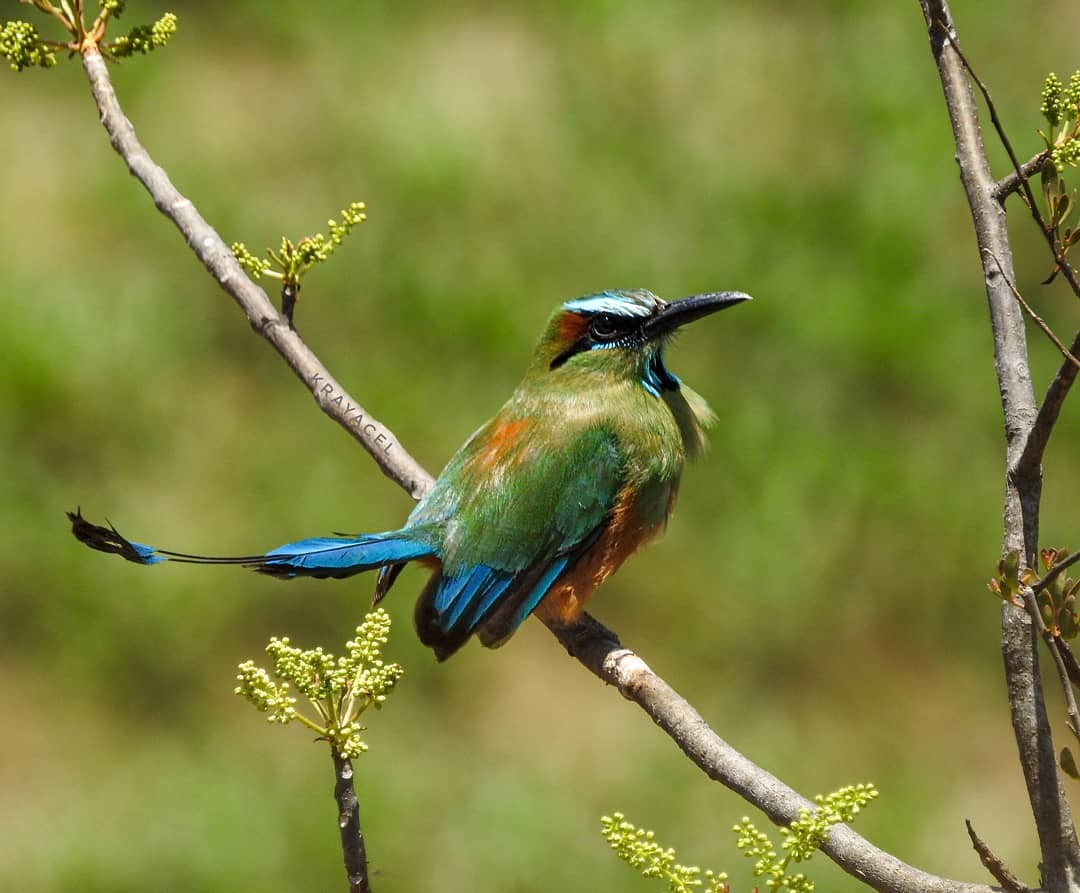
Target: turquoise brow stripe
[606, 304]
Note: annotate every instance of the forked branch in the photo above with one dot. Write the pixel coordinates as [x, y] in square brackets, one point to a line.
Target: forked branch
[1023, 478]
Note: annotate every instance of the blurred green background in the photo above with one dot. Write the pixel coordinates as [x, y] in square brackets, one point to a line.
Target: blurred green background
[820, 595]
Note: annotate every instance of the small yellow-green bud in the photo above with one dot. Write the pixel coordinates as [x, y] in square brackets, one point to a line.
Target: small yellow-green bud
[144, 38]
[21, 45]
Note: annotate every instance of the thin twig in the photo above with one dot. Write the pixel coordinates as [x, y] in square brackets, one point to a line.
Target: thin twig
[53, 11]
[1023, 479]
[1047, 231]
[1053, 573]
[1012, 181]
[1039, 436]
[599, 652]
[1072, 666]
[352, 838]
[1071, 711]
[1000, 871]
[1034, 316]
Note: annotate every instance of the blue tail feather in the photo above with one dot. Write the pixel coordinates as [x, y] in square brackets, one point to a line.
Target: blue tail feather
[462, 601]
[343, 556]
[315, 557]
[488, 597]
[456, 593]
[538, 592]
[468, 594]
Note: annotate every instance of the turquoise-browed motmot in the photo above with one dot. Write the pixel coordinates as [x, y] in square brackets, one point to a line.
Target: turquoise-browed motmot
[578, 469]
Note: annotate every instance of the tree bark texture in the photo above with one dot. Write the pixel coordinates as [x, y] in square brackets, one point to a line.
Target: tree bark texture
[1023, 480]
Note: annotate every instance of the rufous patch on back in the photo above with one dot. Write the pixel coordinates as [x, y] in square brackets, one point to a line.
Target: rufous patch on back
[503, 439]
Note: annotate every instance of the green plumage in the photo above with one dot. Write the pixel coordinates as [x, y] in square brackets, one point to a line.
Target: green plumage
[578, 469]
[542, 477]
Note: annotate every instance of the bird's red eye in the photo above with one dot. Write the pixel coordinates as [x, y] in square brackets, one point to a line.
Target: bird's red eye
[604, 327]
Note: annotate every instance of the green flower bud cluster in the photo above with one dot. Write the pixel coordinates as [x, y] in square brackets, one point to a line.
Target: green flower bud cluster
[293, 260]
[1058, 101]
[1061, 108]
[1053, 96]
[255, 266]
[1067, 154]
[21, 45]
[338, 688]
[264, 694]
[757, 845]
[639, 849]
[346, 740]
[144, 38]
[351, 216]
[802, 838]
[311, 671]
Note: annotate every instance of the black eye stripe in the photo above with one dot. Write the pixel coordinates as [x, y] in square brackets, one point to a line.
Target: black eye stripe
[605, 330]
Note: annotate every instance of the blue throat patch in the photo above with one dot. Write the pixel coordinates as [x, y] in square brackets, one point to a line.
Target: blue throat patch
[657, 376]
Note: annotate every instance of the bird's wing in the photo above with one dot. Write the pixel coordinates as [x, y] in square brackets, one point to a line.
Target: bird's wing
[517, 506]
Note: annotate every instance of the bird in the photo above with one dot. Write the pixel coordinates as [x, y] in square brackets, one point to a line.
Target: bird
[577, 470]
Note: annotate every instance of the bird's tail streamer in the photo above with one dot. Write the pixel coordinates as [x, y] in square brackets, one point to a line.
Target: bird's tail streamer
[333, 556]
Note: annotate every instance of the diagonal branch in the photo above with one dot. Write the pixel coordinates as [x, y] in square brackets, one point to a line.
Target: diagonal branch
[1072, 713]
[1023, 482]
[1039, 435]
[1025, 186]
[1054, 572]
[219, 261]
[1035, 318]
[599, 649]
[1017, 180]
[1064, 661]
[593, 645]
[995, 866]
[1013, 181]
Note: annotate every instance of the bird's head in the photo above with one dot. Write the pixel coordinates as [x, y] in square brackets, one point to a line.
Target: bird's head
[622, 332]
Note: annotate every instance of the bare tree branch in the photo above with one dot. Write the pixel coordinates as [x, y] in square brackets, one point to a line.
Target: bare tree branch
[1039, 435]
[1013, 181]
[1035, 318]
[1023, 482]
[596, 647]
[1052, 574]
[1017, 180]
[599, 649]
[352, 838]
[1025, 186]
[1071, 712]
[1072, 666]
[215, 255]
[1064, 660]
[994, 865]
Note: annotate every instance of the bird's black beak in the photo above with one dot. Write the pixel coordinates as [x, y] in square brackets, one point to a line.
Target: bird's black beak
[679, 313]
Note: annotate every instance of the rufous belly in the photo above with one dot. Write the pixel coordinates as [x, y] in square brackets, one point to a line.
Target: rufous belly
[624, 534]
